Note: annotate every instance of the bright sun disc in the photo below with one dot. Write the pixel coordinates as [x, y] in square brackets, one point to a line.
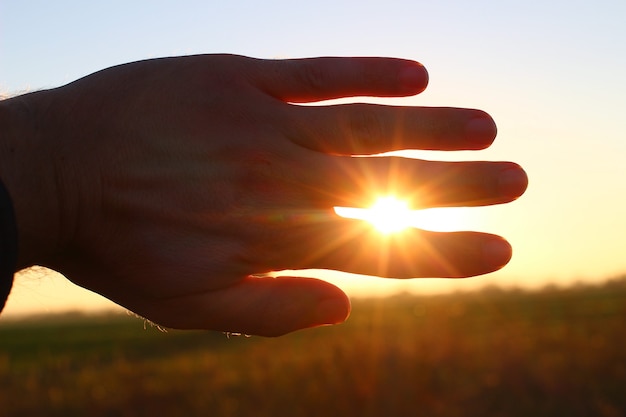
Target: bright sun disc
[387, 215]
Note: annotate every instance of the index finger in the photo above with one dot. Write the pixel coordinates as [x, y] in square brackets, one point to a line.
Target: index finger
[316, 79]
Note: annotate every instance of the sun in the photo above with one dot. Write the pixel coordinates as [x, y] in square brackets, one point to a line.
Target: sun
[388, 214]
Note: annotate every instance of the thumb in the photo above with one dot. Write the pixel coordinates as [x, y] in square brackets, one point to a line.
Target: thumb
[263, 306]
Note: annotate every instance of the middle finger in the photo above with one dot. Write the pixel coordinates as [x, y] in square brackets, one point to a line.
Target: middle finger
[357, 182]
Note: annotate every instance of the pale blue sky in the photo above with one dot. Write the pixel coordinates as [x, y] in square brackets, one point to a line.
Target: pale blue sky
[550, 72]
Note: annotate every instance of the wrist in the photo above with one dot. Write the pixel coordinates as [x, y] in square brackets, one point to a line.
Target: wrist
[8, 245]
[27, 171]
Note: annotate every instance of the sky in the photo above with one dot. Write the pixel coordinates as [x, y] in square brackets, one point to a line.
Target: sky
[550, 73]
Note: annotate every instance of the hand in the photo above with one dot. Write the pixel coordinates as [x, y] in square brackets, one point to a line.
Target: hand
[166, 184]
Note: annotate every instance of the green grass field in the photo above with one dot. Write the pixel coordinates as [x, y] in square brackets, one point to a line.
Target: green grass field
[490, 353]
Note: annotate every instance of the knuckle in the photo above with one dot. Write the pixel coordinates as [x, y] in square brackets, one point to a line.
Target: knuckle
[365, 129]
[314, 77]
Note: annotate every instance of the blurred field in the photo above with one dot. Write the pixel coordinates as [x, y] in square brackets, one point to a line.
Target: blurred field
[558, 352]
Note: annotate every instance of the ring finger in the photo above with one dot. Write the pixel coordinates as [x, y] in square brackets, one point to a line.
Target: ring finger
[354, 246]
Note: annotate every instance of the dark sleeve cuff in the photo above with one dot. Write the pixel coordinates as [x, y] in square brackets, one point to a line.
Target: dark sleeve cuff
[8, 245]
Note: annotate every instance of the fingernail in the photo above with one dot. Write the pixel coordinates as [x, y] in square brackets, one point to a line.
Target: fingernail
[513, 182]
[497, 253]
[332, 311]
[481, 131]
[414, 78]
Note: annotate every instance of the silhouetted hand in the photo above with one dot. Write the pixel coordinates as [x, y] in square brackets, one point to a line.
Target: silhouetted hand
[166, 184]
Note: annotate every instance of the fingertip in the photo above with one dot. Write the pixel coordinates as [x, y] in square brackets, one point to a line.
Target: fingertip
[414, 78]
[513, 181]
[333, 310]
[480, 131]
[302, 303]
[496, 253]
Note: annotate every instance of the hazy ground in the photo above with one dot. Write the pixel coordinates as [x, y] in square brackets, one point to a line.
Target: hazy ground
[493, 353]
